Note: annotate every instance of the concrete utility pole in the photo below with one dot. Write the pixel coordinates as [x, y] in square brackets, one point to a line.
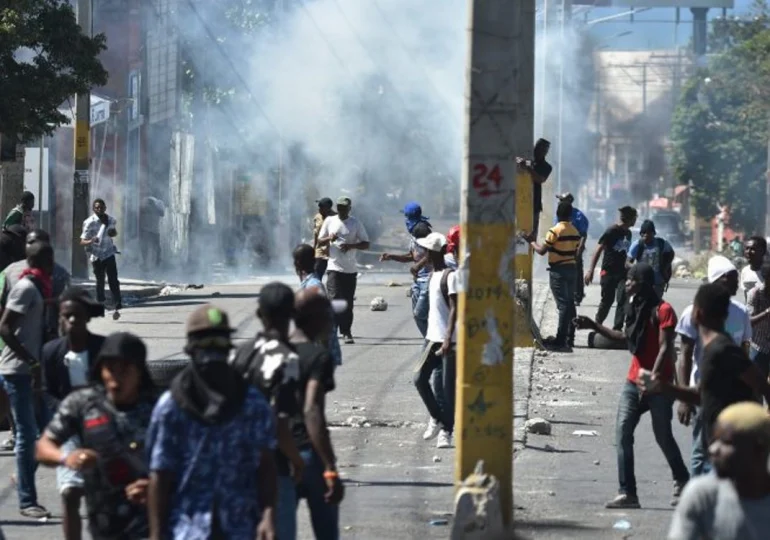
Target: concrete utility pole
[80, 192]
[499, 120]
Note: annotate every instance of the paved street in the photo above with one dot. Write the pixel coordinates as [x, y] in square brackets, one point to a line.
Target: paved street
[562, 481]
[395, 486]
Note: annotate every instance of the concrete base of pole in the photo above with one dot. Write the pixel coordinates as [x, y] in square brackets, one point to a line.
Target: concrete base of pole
[478, 514]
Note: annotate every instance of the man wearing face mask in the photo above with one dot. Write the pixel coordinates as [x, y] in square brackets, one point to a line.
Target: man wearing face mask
[211, 440]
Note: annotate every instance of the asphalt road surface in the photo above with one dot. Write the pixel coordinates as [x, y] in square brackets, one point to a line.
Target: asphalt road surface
[562, 481]
[395, 486]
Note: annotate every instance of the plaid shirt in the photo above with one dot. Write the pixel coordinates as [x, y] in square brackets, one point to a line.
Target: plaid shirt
[759, 301]
[106, 247]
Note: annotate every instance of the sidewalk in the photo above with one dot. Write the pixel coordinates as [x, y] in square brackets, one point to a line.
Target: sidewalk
[563, 480]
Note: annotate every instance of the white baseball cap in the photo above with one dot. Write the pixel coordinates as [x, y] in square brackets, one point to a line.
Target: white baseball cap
[435, 241]
[718, 266]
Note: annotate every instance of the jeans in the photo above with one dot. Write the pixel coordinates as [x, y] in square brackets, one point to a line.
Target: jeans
[613, 288]
[150, 243]
[421, 304]
[699, 463]
[110, 267]
[67, 478]
[324, 517]
[631, 407]
[579, 283]
[444, 415]
[342, 286]
[320, 267]
[20, 394]
[563, 280]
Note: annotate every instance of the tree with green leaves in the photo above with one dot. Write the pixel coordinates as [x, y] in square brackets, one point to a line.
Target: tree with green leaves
[720, 127]
[44, 59]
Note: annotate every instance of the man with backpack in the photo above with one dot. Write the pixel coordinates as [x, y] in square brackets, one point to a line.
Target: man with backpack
[440, 340]
[656, 252]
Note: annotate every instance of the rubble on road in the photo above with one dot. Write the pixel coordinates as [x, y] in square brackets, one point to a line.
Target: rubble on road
[538, 426]
[378, 303]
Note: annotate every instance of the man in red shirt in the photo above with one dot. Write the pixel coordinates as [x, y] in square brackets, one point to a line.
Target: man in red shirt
[650, 324]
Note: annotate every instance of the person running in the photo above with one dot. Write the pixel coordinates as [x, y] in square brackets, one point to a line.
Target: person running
[65, 366]
[731, 504]
[539, 170]
[211, 443]
[759, 310]
[561, 245]
[613, 247]
[440, 340]
[304, 264]
[320, 483]
[580, 221]
[656, 252]
[268, 362]
[98, 232]
[649, 333]
[109, 419]
[344, 234]
[420, 269]
[727, 375]
[738, 326]
[755, 252]
[21, 214]
[22, 329]
[325, 209]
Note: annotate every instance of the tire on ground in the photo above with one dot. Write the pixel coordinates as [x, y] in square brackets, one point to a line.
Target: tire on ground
[164, 371]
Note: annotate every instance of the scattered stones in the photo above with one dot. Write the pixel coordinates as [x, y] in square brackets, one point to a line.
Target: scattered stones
[436, 459]
[538, 426]
[597, 462]
[549, 448]
[585, 433]
[552, 493]
[356, 421]
[393, 284]
[378, 303]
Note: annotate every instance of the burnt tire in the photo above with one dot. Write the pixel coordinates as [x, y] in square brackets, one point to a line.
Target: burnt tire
[163, 372]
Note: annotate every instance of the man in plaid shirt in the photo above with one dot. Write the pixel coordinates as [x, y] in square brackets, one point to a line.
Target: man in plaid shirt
[98, 232]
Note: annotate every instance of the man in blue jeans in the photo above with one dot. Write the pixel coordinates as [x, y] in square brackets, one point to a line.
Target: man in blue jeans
[22, 328]
[561, 245]
[738, 326]
[649, 334]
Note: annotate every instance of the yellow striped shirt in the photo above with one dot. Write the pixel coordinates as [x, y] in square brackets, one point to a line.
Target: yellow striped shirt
[562, 242]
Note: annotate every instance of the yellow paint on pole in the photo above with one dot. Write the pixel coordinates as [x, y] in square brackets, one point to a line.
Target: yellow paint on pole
[82, 142]
[522, 268]
[484, 409]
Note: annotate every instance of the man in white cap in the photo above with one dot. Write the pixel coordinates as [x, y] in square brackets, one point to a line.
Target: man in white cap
[738, 326]
[440, 339]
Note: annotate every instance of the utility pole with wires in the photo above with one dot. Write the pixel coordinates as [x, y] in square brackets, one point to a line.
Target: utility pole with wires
[499, 117]
[81, 185]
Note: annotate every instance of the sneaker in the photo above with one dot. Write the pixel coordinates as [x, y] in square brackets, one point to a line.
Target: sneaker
[444, 440]
[348, 339]
[35, 512]
[678, 487]
[8, 445]
[624, 501]
[431, 431]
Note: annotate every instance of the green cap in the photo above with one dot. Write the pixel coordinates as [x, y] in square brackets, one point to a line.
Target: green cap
[343, 201]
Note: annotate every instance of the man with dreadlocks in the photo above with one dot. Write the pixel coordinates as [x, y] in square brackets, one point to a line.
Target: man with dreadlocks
[650, 324]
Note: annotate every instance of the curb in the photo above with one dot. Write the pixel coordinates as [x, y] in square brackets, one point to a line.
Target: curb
[145, 292]
[542, 298]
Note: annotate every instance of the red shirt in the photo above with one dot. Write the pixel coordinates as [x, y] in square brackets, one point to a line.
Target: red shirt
[650, 348]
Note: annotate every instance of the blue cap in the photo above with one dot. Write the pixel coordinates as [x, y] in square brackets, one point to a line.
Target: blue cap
[412, 210]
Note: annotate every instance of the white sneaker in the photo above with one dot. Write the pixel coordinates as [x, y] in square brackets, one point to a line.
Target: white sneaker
[431, 431]
[444, 440]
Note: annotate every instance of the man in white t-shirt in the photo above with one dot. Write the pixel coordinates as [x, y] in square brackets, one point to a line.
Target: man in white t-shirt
[440, 340]
[755, 251]
[344, 234]
[737, 326]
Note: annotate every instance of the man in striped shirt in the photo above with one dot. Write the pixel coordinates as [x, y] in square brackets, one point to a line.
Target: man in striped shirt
[561, 245]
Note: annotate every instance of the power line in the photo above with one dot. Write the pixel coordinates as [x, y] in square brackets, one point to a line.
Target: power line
[235, 71]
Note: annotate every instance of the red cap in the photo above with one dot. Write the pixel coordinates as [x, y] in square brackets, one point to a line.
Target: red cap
[453, 238]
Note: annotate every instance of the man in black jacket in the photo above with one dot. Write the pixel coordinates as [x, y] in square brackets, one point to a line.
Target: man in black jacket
[65, 364]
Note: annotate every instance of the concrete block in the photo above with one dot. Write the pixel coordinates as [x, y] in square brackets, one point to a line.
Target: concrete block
[478, 514]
